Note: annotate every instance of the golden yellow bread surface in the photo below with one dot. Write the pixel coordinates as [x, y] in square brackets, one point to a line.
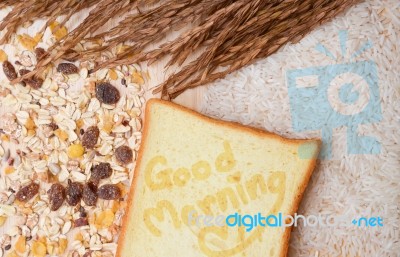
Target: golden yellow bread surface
[192, 168]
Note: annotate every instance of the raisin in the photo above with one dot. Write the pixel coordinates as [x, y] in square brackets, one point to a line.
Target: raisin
[10, 161]
[40, 53]
[82, 212]
[9, 70]
[124, 154]
[22, 72]
[90, 194]
[89, 139]
[70, 55]
[74, 192]
[109, 192]
[87, 254]
[101, 171]
[53, 126]
[56, 196]
[8, 247]
[107, 93]
[123, 82]
[27, 192]
[67, 68]
[34, 82]
[81, 222]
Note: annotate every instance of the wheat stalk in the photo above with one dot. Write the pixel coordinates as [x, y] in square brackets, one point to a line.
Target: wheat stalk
[234, 56]
[150, 28]
[26, 11]
[91, 24]
[229, 33]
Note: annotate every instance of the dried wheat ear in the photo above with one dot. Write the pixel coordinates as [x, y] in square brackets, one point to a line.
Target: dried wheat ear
[229, 34]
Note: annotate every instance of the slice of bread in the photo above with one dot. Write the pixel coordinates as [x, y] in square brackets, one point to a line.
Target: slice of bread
[194, 171]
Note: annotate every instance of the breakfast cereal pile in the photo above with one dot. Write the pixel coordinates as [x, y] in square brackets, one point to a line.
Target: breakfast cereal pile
[69, 141]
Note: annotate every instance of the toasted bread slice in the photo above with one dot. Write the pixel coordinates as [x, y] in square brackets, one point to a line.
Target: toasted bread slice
[193, 172]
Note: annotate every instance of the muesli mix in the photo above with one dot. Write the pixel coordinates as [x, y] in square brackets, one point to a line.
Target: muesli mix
[69, 141]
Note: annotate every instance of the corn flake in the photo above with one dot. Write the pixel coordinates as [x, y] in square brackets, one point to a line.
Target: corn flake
[29, 42]
[20, 245]
[3, 56]
[2, 220]
[58, 31]
[39, 249]
[113, 75]
[137, 78]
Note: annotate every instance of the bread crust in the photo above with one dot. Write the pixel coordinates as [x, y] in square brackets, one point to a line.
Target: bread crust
[232, 125]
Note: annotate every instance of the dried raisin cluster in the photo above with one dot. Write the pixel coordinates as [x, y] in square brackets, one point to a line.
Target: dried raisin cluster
[89, 192]
[101, 171]
[33, 82]
[75, 191]
[11, 74]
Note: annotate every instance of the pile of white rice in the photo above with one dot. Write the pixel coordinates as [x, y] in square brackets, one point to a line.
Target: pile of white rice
[346, 184]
